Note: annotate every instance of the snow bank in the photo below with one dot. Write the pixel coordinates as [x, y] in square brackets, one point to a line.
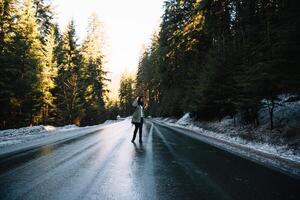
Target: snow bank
[285, 112]
[185, 120]
[25, 134]
[14, 137]
[227, 132]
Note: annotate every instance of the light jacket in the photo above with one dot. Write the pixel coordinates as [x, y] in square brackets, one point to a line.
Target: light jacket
[138, 113]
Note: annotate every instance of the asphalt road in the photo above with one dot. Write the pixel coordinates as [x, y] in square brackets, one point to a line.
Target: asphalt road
[168, 165]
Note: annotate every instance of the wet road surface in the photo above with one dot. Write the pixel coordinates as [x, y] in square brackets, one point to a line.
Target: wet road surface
[168, 165]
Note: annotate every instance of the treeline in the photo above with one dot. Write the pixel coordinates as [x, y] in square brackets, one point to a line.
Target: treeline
[127, 94]
[216, 58]
[46, 77]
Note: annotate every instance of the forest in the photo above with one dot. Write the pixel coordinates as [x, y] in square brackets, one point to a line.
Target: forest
[211, 58]
[46, 77]
[217, 58]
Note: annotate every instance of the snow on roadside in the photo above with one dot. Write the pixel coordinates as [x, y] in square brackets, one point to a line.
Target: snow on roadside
[279, 150]
[13, 137]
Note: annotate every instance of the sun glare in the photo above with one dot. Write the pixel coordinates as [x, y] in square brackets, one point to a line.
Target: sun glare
[127, 26]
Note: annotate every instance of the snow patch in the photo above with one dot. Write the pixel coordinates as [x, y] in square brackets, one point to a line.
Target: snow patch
[14, 137]
[50, 128]
[184, 120]
[256, 139]
[285, 112]
[10, 142]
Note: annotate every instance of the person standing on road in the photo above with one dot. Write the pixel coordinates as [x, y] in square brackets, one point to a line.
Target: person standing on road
[137, 117]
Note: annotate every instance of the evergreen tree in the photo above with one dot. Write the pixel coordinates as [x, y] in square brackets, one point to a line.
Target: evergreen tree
[112, 110]
[7, 16]
[7, 59]
[28, 49]
[93, 73]
[148, 77]
[223, 57]
[44, 15]
[48, 75]
[126, 95]
[69, 82]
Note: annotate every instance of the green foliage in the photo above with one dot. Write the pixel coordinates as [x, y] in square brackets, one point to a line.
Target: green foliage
[69, 80]
[126, 95]
[112, 110]
[30, 54]
[47, 77]
[93, 73]
[215, 58]
[44, 16]
[7, 61]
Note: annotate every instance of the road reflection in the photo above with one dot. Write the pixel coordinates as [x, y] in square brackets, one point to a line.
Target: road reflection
[139, 148]
[45, 150]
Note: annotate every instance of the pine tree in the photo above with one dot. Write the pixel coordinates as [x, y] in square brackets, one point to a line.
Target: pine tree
[7, 59]
[126, 95]
[28, 48]
[69, 82]
[222, 57]
[44, 15]
[93, 72]
[148, 77]
[7, 16]
[48, 75]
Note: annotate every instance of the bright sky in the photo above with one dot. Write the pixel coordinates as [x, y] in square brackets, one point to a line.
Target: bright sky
[128, 25]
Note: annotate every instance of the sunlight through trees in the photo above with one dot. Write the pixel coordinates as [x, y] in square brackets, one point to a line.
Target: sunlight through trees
[46, 76]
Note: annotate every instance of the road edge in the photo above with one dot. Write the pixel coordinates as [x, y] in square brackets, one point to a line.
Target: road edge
[56, 139]
[275, 162]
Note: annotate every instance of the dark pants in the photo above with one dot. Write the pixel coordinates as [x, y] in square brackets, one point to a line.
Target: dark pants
[138, 126]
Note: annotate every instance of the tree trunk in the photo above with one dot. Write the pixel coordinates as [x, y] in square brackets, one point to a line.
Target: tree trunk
[271, 114]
